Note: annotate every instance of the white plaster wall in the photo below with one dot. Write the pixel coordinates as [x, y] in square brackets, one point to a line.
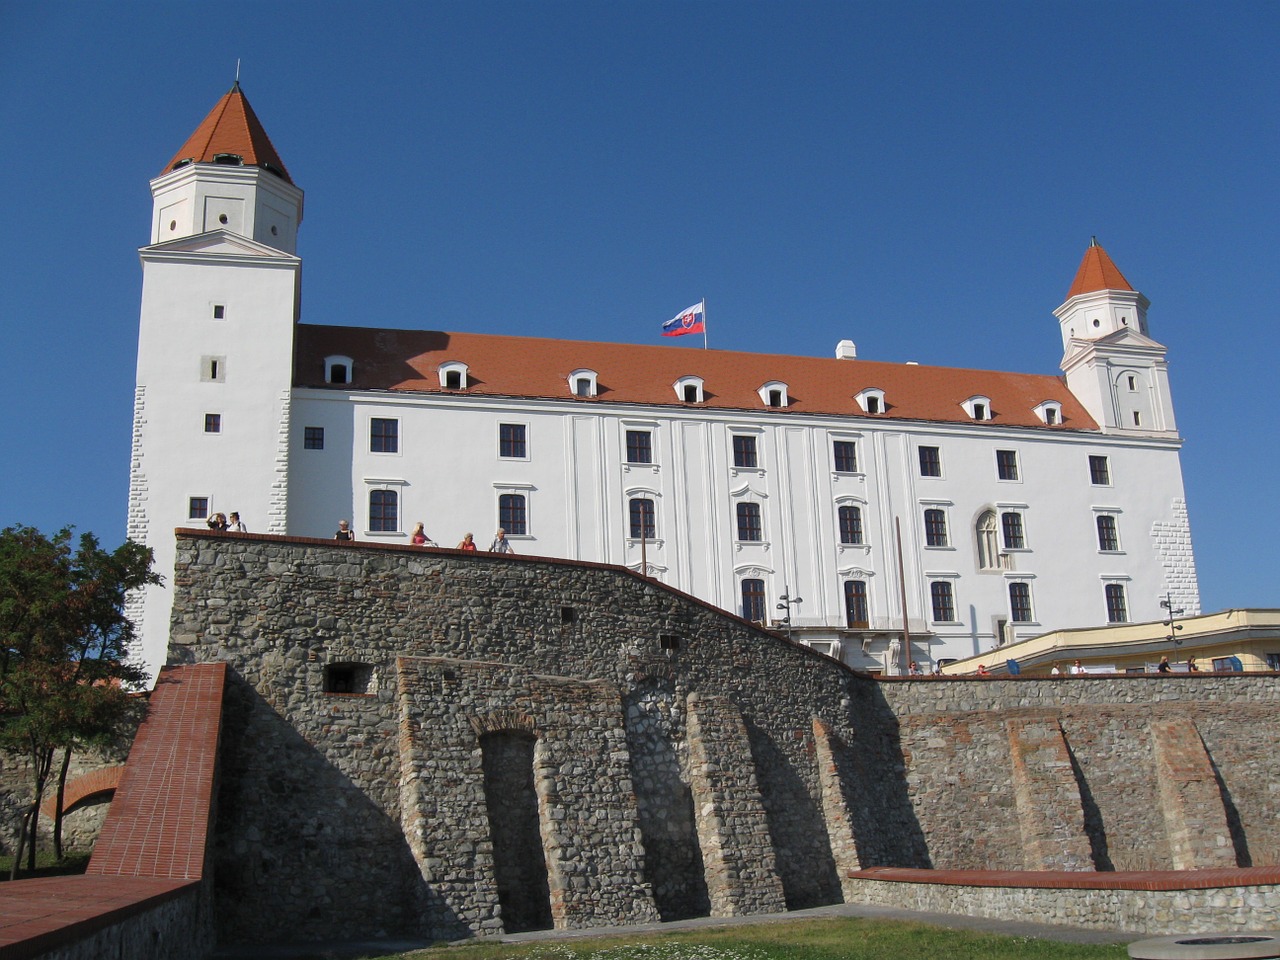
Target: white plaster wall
[577, 485]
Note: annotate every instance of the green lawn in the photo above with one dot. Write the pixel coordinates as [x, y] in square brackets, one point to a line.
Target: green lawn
[827, 939]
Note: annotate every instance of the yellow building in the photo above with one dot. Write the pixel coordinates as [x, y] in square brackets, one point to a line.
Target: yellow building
[1231, 640]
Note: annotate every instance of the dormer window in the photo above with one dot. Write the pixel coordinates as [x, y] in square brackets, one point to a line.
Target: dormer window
[338, 369]
[1049, 412]
[583, 383]
[454, 375]
[689, 389]
[774, 394]
[978, 408]
[871, 400]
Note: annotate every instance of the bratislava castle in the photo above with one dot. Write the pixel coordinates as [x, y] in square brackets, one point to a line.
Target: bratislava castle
[843, 500]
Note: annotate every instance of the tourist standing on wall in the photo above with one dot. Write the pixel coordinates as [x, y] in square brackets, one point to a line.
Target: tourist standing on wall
[467, 543]
[500, 543]
[344, 531]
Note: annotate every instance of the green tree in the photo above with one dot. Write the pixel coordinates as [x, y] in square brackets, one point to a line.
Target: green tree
[65, 675]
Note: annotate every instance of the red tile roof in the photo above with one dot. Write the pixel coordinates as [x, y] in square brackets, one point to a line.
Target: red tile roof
[407, 361]
[231, 127]
[1097, 272]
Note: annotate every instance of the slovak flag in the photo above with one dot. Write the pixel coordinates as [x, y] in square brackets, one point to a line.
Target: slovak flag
[689, 321]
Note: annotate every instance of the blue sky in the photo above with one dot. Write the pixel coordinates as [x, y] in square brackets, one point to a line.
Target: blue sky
[922, 178]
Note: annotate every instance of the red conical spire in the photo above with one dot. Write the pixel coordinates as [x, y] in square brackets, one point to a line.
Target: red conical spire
[1097, 272]
[231, 128]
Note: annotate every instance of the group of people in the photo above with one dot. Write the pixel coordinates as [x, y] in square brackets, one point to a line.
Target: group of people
[419, 538]
[221, 523]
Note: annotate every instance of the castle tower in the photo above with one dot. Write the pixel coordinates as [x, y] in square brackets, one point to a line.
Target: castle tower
[220, 285]
[1111, 363]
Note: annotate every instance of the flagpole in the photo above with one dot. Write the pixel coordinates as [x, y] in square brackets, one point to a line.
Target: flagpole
[704, 323]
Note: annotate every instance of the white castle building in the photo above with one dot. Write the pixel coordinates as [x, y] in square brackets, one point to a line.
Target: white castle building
[841, 499]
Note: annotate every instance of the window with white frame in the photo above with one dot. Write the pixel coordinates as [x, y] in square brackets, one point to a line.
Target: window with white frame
[753, 600]
[384, 435]
[1108, 533]
[845, 456]
[639, 446]
[583, 383]
[338, 369]
[1099, 470]
[1020, 602]
[513, 514]
[384, 511]
[977, 407]
[943, 601]
[935, 527]
[745, 453]
[871, 400]
[1012, 529]
[849, 519]
[1049, 412]
[930, 461]
[454, 375]
[512, 441]
[773, 394]
[750, 528]
[1117, 603]
[641, 515]
[1007, 464]
[855, 604]
[689, 389]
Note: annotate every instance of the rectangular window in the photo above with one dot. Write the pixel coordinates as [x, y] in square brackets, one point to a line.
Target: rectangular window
[384, 511]
[944, 602]
[850, 524]
[313, 438]
[384, 435]
[213, 423]
[1273, 661]
[1108, 538]
[753, 600]
[930, 462]
[855, 603]
[1224, 665]
[1117, 609]
[197, 508]
[935, 528]
[513, 514]
[511, 441]
[642, 524]
[219, 311]
[639, 446]
[1007, 464]
[1099, 471]
[1020, 602]
[846, 456]
[749, 521]
[1011, 523]
[744, 451]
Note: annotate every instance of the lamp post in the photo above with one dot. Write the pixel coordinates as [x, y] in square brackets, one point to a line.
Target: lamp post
[1172, 627]
[784, 603]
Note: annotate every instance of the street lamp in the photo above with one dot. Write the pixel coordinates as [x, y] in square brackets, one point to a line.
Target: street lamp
[784, 604]
[1172, 627]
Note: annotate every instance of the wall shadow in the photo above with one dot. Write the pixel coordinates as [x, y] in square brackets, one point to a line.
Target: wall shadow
[294, 831]
[1094, 828]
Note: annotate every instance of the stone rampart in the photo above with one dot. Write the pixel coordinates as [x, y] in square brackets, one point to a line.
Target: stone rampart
[434, 744]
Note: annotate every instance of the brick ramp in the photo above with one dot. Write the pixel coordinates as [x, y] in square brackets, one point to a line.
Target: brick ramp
[144, 879]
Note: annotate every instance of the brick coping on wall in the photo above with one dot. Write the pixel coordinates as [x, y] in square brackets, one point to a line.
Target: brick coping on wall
[194, 533]
[39, 915]
[1078, 880]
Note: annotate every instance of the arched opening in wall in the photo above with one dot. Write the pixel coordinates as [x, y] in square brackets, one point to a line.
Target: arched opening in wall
[519, 865]
[673, 858]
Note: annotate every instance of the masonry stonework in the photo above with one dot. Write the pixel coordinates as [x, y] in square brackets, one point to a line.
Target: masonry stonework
[438, 744]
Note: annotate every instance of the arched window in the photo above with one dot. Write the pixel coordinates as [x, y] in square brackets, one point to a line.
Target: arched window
[988, 544]
[850, 524]
[453, 375]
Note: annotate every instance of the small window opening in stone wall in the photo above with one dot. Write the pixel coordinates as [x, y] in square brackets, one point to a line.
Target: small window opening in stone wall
[348, 678]
[669, 641]
[568, 614]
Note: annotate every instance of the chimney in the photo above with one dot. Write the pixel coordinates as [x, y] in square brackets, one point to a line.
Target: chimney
[845, 350]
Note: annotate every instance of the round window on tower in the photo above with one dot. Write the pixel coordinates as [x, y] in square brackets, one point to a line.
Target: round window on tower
[222, 218]
[173, 224]
[275, 231]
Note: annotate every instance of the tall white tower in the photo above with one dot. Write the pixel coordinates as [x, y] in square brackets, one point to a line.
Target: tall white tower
[1112, 365]
[220, 286]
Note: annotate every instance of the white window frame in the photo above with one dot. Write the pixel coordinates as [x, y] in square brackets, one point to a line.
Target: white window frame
[384, 483]
[525, 490]
[642, 493]
[951, 577]
[454, 366]
[696, 382]
[1114, 513]
[527, 443]
[1123, 581]
[593, 381]
[869, 393]
[945, 506]
[767, 388]
[339, 361]
[1043, 409]
[1020, 576]
[758, 435]
[368, 439]
[972, 404]
[207, 368]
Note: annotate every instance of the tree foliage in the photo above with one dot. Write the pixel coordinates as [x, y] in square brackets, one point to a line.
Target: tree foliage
[65, 672]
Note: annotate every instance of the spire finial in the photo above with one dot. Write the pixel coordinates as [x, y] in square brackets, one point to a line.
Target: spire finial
[1093, 241]
[237, 83]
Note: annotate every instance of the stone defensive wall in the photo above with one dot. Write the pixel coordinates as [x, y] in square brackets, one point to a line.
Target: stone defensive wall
[435, 744]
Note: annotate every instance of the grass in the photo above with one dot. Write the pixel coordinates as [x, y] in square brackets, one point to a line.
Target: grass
[826, 939]
[46, 865]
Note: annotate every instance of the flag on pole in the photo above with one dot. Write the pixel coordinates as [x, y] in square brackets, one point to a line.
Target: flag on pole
[688, 321]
